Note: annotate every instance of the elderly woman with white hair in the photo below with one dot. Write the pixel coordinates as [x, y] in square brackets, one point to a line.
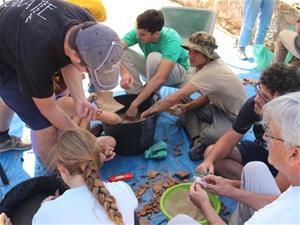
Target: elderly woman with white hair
[282, 119]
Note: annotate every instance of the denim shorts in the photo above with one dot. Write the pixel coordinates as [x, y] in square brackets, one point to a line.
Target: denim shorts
[255, 151]
[20, 103]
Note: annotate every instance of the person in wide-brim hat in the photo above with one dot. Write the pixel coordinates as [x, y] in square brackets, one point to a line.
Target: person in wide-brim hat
[203, 42]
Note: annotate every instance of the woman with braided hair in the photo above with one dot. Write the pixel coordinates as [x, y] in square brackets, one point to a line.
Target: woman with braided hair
[89, 200]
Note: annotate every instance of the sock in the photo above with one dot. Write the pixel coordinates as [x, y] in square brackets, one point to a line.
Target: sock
[4, 135]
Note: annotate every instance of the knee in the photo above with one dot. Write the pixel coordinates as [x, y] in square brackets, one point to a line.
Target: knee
[153, 60]
[126, 57]
[253, 169]
[108, 141]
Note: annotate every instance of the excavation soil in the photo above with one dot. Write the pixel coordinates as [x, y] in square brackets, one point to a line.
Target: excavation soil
[134, 120]
[179, 203]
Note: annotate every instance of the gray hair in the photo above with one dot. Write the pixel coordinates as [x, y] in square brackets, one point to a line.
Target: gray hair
[284, 113]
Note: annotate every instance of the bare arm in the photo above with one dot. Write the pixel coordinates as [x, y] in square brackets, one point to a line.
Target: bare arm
[109, 117]
[200, 101]
[222, 148]
[229, 188]
[73, 79]
[252, 199]
[54, 113]
[171, 100]
[156, 81]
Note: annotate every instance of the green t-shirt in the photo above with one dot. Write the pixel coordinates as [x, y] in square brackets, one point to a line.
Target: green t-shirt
[168, 45]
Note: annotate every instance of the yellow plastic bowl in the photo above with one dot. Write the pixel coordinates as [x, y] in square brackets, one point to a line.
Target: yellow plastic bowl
[214, 199]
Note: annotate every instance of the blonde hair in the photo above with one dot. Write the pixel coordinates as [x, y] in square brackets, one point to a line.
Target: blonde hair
[80, 153]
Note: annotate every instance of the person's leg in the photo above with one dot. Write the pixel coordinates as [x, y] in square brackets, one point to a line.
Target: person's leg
[285, 43]
[6, 115]
[231, 167]
[26, 109]
[181, 219]
[256, 177]
[219, 124]
[250, 12]
[8, 142]
[135, 64]
[108, 141]
[213, 124]
[45, 140]
[265, 17]
[153, 61]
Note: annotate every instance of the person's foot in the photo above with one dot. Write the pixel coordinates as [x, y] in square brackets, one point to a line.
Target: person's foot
[14, 143]
[242, 54]
[197, 150]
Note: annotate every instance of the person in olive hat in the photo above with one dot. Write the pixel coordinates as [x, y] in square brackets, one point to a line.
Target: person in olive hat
[206, 118]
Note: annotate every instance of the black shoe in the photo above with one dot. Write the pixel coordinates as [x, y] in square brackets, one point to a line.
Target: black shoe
[242, 54]
[197, 151]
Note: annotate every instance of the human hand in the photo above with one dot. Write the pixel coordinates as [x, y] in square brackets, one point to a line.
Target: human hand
[126, 81]
[83, 107]
[147, 113]
[51, 197]
[132, 111]
[4, 220]
[107, 152]
[205, 167]
[85, 121]
[198, 196]
[218, 185]
[178, 109]
[91, 97]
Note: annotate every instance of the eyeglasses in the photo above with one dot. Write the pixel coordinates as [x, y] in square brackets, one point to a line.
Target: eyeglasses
[258, 92]
[267, 136]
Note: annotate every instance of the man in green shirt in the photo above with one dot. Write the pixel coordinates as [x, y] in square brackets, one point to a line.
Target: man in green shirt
[164, 61]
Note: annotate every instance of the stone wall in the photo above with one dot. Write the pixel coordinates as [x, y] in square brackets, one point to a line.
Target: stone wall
[230, 15]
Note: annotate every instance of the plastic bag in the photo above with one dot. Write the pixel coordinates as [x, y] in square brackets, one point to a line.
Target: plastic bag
[264, 56]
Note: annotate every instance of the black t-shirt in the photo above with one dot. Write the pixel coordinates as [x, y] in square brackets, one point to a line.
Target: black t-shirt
[246, 117]
[32, 34]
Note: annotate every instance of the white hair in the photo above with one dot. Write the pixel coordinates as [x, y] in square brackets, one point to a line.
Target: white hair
[284, 113]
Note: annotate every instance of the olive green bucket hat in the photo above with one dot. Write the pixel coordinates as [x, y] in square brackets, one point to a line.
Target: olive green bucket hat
[203, 42]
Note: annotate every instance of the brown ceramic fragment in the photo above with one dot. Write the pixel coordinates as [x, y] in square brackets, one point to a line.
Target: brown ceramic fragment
[144, 222]
[182, 174]
[152, 174]
[104, 100]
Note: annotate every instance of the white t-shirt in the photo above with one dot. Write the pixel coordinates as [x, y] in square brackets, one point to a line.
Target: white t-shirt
[78, 206]
[221, 86]
[284, 210]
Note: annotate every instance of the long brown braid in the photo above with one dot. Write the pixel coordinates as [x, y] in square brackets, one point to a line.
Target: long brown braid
[79, 152]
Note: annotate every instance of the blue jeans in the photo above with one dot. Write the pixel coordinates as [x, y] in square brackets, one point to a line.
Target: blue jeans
[253, 8]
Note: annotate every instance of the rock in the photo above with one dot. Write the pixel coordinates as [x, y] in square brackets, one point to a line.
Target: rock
[230, 15]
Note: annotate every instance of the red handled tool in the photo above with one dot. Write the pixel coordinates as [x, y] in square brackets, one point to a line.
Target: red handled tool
[124, 176]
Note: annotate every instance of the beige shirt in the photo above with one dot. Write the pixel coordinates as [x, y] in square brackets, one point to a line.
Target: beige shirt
[222, 87]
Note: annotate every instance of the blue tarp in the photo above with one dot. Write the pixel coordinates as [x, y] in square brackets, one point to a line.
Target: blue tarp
[165, 127]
